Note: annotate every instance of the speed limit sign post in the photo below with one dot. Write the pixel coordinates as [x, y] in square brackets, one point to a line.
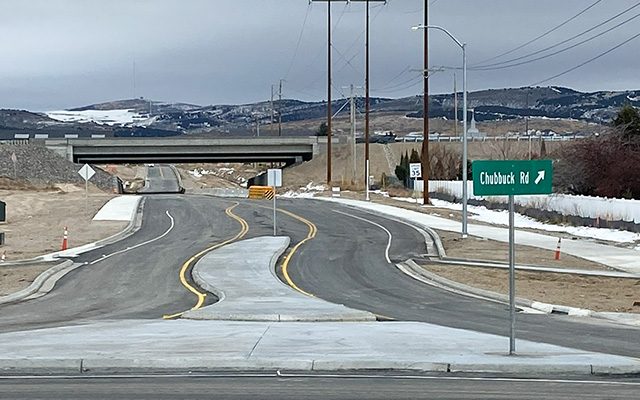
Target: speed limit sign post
[415, 172]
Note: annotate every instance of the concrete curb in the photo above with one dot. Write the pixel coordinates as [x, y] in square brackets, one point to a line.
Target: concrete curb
[415, 271]
[98, 366]
[46, 281]
[178, 178]
[39, 282]
[196, 273]
[132, 227]
[211, 312]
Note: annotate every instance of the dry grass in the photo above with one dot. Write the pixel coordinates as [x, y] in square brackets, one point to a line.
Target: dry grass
[593, 293]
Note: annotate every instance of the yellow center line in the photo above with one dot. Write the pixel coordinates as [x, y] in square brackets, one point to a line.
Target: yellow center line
[285, 264]
[185, 267]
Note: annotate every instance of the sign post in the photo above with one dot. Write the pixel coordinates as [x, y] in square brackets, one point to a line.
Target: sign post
[512, 177]
[86, 172]
[415, 172]
[274, 179]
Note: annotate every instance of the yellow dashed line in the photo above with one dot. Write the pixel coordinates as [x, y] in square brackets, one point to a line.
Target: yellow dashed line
[185, 267]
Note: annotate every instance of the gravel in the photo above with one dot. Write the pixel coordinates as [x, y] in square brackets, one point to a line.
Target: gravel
[40, 166]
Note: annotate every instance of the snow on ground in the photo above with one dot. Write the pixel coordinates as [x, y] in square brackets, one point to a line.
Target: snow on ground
[501, 217]
[221, 172]
[305, 192]
[101, 117]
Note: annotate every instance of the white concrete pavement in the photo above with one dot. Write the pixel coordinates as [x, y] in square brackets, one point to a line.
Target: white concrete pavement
[187, 345]
[242, 275]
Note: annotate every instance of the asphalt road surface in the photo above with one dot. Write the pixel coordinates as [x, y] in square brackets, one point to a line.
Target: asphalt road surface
[142, 282]
[161, 179]
[325, 388]
[345, 263]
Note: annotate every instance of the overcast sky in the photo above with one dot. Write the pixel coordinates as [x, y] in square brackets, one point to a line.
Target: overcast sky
[67, 53]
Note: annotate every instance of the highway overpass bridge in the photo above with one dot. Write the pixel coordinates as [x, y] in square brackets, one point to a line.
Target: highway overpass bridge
[289, 150]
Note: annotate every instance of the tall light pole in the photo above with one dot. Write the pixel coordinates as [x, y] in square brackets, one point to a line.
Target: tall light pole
[463, 47]
[426, 162]
[367, 107]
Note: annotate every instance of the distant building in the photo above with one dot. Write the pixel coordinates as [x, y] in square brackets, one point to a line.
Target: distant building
[473, 132]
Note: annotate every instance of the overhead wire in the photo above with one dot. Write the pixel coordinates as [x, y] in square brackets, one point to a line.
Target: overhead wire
[499, 64]
[295, 53]
[559, 51]
[555, 28]
[587, 62]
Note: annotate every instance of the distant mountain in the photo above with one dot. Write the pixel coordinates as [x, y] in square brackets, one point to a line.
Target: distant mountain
[142, 117]
[550, 102]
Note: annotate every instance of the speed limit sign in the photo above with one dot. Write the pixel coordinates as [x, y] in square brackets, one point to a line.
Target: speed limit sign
[415, 170]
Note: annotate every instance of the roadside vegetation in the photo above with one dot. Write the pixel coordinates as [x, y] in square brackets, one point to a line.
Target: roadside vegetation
[604, 165]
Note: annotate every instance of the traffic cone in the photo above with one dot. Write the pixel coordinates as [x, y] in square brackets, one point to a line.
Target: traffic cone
[557, 257]
[65, 240]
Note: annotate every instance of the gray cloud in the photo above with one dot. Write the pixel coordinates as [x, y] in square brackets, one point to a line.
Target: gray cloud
[65, 53]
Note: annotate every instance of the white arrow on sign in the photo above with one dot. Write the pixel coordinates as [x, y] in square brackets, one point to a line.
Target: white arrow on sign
[86, 172]
[540, 177]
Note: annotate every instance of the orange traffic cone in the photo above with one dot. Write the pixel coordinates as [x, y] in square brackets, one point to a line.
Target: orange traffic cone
[557, 257]
[65, 240]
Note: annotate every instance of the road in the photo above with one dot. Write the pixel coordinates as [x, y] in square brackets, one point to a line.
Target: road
[138, 283]
[318, 387]
[345, 263]
[161, 179]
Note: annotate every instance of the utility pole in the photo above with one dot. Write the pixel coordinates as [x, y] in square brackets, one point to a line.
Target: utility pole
[352, 107]
[425, 111]
[526, 124]
[271, 121]
[455, 105]
[134, 78]
[280, 109]
[329, 111]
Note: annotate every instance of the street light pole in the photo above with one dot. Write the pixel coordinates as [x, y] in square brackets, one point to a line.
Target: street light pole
[463, 47]
[465, 163]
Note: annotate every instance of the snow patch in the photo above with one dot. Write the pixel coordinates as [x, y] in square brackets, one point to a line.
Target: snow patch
[305, 192]
[501, 217]
[101, 117]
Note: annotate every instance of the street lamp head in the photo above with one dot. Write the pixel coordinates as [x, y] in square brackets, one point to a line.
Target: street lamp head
[417, 27]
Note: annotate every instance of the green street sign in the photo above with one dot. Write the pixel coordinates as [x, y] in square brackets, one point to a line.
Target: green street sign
[512, 177]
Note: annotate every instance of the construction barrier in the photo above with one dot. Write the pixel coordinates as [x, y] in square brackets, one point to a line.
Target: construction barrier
[261, 192]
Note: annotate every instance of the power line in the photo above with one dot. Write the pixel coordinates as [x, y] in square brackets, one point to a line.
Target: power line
[498, 64]
[295, 53]
[588, 61]
[542, 35]
[559, 51]
[407, 84]
[358, 38]
[404, 71]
